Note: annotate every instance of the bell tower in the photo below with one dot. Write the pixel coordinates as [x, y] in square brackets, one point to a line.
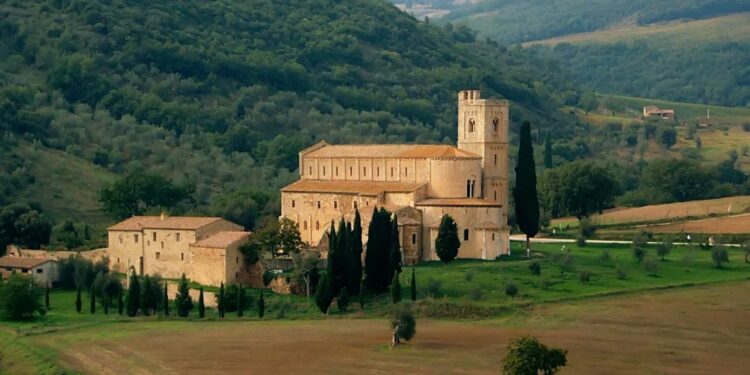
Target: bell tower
[483, 130]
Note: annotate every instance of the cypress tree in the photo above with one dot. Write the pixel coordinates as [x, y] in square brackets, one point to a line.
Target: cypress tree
[146, 297]
[338, 277]
[182, 299]
[106, 304]
[220, 303]
[46, 298]
[240, 303]
[548, 151]
[119, 302]
[413, 285]
[134, 295]
[166, 301]
[395, 289]
[394, 261]
[324, 297]
[343, 300]
[93, 300]
[447, 242]
[378, 255]
[201, 305]
[78, 299]
[524, 193]
[362, 294]
[261, 305]
[354, 268]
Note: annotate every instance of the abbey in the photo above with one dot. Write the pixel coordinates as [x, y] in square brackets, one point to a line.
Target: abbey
[418, 183]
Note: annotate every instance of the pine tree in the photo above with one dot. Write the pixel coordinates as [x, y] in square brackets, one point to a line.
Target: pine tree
[394, 261]
[447, 243]
[78, 299]
[93, 300]
[548, 151]
[324, 296]
[166, 301]
[261, 305]
[240, 302]
[119, 302]
[46, 298]
[395, 289]
[525, 194]
[413, 285]
[134, 295]
[220, 303]
[182, 300]
[201, 305]
[354, 268]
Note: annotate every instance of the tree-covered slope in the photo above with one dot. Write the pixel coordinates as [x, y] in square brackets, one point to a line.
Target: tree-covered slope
[221, 95]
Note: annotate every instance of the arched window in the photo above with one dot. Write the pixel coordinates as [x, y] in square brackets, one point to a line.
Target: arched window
[351, 171]
[466, 234]
[495, 159]
[309, 170]
[495, 194]
[364, 171]
[324, 171]
[335, 204]
[337, 171]
[304, 225]
[413, 238]
[495, 123]
[391, 171]
[355, 205]
[468, 188]
[318, 204]
[377, 172]
[493, 236]
[471, 125]
[317, 225]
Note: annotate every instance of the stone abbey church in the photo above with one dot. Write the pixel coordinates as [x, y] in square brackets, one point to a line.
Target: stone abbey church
[418, 183]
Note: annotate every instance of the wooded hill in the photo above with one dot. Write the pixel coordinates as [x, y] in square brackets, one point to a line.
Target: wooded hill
[221, 95]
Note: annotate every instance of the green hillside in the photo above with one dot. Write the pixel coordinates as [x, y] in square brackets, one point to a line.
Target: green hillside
[221, 95]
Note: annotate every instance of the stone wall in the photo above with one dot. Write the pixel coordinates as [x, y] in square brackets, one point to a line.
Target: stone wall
[209, 298]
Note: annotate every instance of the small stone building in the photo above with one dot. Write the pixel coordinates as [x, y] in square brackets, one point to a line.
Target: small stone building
[44, 271]
[418, 183]
[205, 249]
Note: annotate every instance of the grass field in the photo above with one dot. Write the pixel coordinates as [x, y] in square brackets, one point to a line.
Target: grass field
[665, 212]
[561, 312]
[736, 224]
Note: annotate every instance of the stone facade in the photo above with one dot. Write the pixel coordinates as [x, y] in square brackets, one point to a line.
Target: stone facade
[205, 249]
[419, 183]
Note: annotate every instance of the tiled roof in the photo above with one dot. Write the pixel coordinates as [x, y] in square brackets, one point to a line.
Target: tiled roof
[391, 151]
[16, 262]
[350, 187]
[222, 240]
[169, 222]
[468, 202]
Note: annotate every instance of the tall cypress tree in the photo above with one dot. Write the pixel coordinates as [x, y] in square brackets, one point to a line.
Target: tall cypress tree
[240, 301]
[166, 301]
[201, 305]
[447, 242]
[323, 294]
[395, 289]
[134, 295]
[525, 195]
[119, 302]
[354, 268]
[332, 264]
[548, 151]
[413, 285]
[394, 261]
[261, 305]
[78, 299]
[378, 253]
[146, 296]
[46, 298]
[93, 300]
[220, 303]
[106, 304]
[182, 299]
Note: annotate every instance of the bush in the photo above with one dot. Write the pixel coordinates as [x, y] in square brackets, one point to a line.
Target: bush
[403, 324]
[620, 273]
[535, 267]
[268, 276]
[526, 355]
[584, 276]
[545, 284]
[719, 255]
[107, 287]
[650, 264]
[434, 287]
[20, 298]
[511, 290]
[475, 294]
[581, 241]
[605, 257]
[469, 275]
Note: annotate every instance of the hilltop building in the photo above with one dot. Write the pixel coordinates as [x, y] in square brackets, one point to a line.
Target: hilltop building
[205, 249]
[654, 111]
[419, 183]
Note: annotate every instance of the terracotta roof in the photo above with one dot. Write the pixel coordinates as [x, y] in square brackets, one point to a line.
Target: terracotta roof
[368, 188]
[222, 240]
[137, 223]
[391, 151]
[17, 262]
[470, 202]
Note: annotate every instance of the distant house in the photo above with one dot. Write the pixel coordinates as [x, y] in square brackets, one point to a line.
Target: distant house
[43, 271]
[654, 111]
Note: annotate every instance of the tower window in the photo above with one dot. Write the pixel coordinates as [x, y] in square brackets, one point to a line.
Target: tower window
[468, 188]
[495, 123]
[351, 171]
[318, 204]
[471, 125]
[364, 171]
[154, 236]
[413, 238]
[182, 256]
[495, 194]
[391, 171]
[493, 236]
[466, 234]
[293, 203]
[495, 159]
[304, 225]
[335, 204]
[337, 171]
[309, 170]
[135, 238]
[324, 171]
[406, 172]
[317, 225]
[355, 205]
[377, 172]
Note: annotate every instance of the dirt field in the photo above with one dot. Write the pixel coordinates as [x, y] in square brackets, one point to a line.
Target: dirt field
[697, 330]
[738, 224]
[668, 211]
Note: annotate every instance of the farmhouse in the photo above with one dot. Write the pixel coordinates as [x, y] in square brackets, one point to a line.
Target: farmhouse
[44, 271]
[419, 183]
[205, 249]
[654, 111]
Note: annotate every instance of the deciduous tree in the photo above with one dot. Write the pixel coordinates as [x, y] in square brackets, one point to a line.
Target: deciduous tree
[20, 298]
[527, 356]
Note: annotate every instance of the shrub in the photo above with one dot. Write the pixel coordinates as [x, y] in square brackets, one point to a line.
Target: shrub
[475, 294]
[581, 241]
[605, 257]
[565, 261]
[403, 324]
[545, 284]
[620, 273]
[434, 287]
[664, 248]
[511, 290]
[469, 275]
[640, 241]
[584, 276]
[20, 298]
[638, 254]
[268, 276]
[650, 264]
[535, 267]
[526, 355]
[719, 255]
[746, 126]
